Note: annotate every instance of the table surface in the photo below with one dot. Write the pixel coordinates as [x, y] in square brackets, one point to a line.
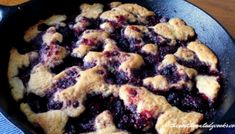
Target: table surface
[221, 10]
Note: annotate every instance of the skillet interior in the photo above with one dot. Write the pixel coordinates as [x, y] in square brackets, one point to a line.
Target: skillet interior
[15, 20]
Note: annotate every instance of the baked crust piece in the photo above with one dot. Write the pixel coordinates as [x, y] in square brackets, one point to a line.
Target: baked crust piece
[144, 100]
[170, 121]
[185, 54]
[33, 31]
[185, 74]
[40, 80]
[51, 36]
[171, 59]
[89, 40]
[154, 106]
[104, 124]
[130, 12]
[150, 49]
[114, 69]
[87, 12]
[175, 29]
[128, 61]
[158, 82]
[204, 54]
[208, 85]
[18, 61]
[115, 4]
[52, 122]
[79, 91]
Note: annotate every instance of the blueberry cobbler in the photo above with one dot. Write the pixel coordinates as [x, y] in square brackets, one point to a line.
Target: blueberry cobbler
[114, 69]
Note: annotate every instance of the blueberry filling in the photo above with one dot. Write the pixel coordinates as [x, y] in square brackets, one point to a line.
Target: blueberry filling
[65, 82]
[37, 104]
[150, 59]
[171, 73]
[123, 117]
[95, 104]
[37, 42]
[94, 24]
[134, 44]
[43, 27]
[69, 36]
[190, 101]
[202, 68]
[152, 20]
[98, 47]
[54, 105]
[68, 61]
[115, 77]
[122, 42]
[164, 50]
[87, 65]
[25, 47]
[24, 74]
[157, 39]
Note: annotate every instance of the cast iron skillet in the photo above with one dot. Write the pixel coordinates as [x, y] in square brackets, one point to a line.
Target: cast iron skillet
[14, 20]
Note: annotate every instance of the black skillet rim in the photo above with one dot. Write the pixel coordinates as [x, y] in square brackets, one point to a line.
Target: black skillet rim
[8, 11]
